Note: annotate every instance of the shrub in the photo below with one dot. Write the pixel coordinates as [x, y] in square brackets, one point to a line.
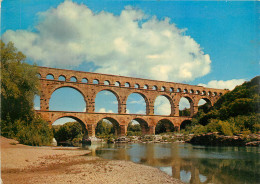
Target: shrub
[35, 133]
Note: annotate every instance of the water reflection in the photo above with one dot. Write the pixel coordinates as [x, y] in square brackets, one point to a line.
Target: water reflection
[191, 164]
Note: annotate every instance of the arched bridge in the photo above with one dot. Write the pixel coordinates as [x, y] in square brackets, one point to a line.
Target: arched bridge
[90, 84]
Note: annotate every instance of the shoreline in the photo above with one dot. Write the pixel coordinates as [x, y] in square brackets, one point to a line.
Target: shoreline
[27, 164]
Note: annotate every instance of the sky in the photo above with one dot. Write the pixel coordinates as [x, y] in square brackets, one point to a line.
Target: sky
[211, 43]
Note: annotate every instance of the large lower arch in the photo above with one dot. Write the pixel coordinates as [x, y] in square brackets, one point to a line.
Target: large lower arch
[144, 128]
[164, 126]
[79, 120]
[67, 98]
[163, 105]
[107, 101]
[185, 124]
[116, 127]
[137, 103]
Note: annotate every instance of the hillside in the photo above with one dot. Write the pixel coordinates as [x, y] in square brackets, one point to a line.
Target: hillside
[235, 112]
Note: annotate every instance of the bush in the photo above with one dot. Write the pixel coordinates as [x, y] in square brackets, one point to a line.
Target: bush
[35, 133]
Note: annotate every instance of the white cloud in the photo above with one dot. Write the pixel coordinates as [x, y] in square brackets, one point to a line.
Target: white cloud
[141, 101]
[229, 84]
[184, 103]
[127, 111]
[37, 108]
[103, 110]
[162, 106]
[72, 34]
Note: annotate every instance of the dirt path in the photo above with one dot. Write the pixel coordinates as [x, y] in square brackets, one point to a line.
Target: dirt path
[25, 164]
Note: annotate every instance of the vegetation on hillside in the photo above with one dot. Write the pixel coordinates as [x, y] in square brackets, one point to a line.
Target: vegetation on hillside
[19, 85]
[235, 112]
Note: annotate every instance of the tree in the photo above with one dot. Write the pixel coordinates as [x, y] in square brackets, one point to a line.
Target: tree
[19, 85]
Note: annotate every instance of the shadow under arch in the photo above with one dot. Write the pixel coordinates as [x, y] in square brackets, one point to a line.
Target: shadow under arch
[84, 109]
[164, 126]
[144, 98]
[143, 125]
[114, 122]
[172, 106]
[114, 93]
[184, 124]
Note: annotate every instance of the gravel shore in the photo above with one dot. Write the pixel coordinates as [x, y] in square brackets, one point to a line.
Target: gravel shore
[26, 164]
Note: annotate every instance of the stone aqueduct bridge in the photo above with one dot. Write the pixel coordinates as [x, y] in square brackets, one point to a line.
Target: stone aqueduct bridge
[89, 84]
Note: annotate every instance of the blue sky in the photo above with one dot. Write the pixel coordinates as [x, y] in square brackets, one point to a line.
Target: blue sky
[215, 44]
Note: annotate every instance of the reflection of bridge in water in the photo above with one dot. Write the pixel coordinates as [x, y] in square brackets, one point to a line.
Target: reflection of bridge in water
[90, 84]
[160, 157]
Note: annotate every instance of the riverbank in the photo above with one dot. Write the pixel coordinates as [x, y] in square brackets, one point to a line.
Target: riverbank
[25, 164]
[214, 139]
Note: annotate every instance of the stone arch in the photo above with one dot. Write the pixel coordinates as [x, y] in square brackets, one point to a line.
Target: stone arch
[66, 85]
[206, 106]
[62, 78]
[185, 123]
[164, 125]
[50, 75]
[78, 119]
[172, 106]
[146, 86]
[145, 100]
[143, 124]
[137, 86]
[186, 112]
[114, 122]
[73, 79]
[117, 83]
[114, 93]
[39, 75]
[107, 82]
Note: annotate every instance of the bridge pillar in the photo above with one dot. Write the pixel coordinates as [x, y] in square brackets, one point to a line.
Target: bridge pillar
[152, 130]
[123, 130]
[91, 130]
[194, 110]
[177, 128]
[122, 108]
[150, 110]
[44, 103]
[176, 110]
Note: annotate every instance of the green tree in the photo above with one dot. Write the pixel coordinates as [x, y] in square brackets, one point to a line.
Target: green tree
[19, 85]
[68, 132]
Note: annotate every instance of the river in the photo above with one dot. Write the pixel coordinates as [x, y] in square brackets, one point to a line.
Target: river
[190, 164]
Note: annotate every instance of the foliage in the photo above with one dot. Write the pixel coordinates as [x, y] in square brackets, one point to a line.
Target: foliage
[19, 85]
[235, 112]
[104, 128]
[162, 127]
[35, 133]
[71, 131]
[134, 129]
[184, 112]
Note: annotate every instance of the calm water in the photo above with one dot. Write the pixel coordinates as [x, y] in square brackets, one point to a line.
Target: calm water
[191, 164]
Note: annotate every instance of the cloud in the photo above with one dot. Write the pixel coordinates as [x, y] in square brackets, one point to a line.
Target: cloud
[103, 110]
[37, 108]
[162, 106]
[229, 84]
[141, 101]
[184, 103]
[72, 34]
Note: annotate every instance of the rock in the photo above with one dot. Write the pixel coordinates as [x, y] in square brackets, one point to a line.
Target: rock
[54, 142]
